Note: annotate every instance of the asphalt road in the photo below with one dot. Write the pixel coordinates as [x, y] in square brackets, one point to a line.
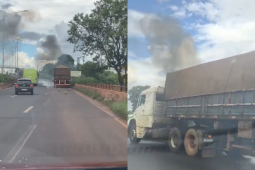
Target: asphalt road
[54, 128]
[156, 156]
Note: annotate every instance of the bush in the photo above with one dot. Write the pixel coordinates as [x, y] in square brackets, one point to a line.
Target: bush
[83, 80]
[120, 108]
[100, 78]
[4, 78]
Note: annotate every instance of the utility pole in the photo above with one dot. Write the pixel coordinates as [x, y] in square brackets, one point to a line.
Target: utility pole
[3, 47]
[17, 53]
[4, 15]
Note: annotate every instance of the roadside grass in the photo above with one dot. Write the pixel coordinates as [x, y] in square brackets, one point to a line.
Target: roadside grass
[119, 108]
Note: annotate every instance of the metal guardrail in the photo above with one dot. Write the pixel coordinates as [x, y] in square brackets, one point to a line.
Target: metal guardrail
[109, 87]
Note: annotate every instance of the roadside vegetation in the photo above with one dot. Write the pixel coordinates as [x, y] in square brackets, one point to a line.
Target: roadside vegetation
[119, 108]
[45, 76]
[5, 78]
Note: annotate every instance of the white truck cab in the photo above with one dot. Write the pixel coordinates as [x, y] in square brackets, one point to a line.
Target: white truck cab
[148, 114]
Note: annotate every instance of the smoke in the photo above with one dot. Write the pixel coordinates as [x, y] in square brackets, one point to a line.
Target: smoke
[51, 49]
[31, 35]
[6, 6]
[171, 48]
[30, 16]
[13, 23]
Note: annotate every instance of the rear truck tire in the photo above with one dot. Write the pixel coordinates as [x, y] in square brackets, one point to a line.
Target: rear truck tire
[132, 134]
[175, 141]
[32, 93]
[191, 142]
[16, 93]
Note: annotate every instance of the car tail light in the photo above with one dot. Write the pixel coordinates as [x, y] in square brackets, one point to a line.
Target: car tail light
[31, 85]
[16, 85]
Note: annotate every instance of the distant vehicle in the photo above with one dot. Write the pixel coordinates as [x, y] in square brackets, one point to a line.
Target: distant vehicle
[24, 85]
[32, 74]
[62, 76]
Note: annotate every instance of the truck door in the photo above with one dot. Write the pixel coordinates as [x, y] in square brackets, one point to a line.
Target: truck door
[139, 111]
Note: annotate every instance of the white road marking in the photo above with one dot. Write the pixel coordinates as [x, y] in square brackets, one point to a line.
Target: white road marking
[28, 109]
[14, 96]
[17, 148]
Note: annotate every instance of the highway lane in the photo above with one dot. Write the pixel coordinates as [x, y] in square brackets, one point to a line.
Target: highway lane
[58, 129]
[156, 156]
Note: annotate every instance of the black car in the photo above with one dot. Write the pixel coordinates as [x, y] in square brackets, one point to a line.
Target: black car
[24, 85]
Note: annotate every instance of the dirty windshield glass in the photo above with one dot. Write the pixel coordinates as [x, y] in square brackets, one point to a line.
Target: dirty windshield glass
[63, 84]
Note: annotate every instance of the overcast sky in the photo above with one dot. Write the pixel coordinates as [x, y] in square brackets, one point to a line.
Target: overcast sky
[47, 17]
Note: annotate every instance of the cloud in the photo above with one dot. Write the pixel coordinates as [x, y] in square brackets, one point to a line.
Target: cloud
[6, 6]
[52, 14]
[31, 35]
[222, 29]
[142, 72]
[170, 46]
[134, 18]
[25, 61]
[162, 1]
[174, 7]
[228, 30]
[36, 26]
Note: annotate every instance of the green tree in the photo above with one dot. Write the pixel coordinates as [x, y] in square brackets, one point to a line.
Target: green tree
[90, 69]
[49, 69]
[66, 60]
[107, 77]
[134, 93]
[103, 33]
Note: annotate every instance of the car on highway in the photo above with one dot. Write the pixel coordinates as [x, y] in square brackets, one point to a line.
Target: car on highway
[24, 85]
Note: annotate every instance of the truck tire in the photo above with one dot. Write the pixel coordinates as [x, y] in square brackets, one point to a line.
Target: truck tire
[132, 136]
[191, 142]
[175, 141]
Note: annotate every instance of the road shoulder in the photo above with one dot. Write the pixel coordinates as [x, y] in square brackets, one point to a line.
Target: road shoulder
[103, 108]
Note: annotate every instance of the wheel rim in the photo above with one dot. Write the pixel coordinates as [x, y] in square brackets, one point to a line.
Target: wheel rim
[192, 142]
[133, 133]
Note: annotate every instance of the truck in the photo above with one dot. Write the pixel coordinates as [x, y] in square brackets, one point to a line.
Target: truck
[62, 77]
[32, 74]
[203, 110]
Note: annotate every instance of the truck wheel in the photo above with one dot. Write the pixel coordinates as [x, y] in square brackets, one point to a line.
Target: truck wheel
[191, 142]
[132, 137]
[175, 140]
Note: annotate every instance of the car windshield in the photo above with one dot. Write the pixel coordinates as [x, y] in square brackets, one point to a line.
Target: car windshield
[63, 83]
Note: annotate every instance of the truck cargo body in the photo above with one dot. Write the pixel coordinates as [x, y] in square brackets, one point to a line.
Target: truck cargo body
[211, 105]
[62, 77]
